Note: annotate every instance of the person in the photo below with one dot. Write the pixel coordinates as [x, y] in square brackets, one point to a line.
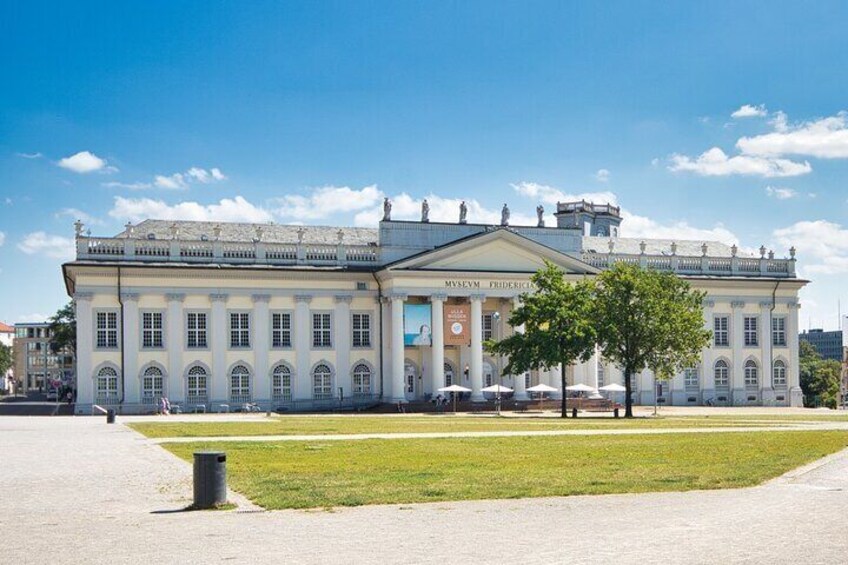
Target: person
[423, 337]
[69, 397]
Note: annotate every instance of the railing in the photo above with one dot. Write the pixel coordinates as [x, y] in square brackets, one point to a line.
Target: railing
[715, 266]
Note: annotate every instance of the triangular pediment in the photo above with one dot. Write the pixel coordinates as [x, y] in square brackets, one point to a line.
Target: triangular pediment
[496, 251]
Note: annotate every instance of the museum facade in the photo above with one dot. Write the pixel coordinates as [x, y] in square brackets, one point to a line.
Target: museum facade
[220, 316]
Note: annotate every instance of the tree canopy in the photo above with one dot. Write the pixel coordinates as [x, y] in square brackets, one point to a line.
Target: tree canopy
[63, 329]
[6, 359]
[819, 377]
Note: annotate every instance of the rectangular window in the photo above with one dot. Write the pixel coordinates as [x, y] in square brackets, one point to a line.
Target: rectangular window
[778, 331]
[196, 328]
[488, 324]
[281, 329]
[239, 329]
[361, 330]
[107, 330]
[690, 377]
[321, 331]
[721, 335]
[751, 331]
[151, 329]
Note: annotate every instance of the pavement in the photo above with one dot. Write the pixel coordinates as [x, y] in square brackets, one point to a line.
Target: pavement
[81, 491]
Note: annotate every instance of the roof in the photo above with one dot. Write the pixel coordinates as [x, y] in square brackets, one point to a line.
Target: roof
[686, 248]
[271, 233]
[6, 329]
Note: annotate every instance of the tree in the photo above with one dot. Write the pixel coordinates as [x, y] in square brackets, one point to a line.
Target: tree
[63, 329]
[558, 329]
[6, 360]
[648, 319]
[819, 377]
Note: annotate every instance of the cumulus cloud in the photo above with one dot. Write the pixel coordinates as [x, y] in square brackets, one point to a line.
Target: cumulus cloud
[172, 182]
[326, 201]
[175, 181]
[52, 246]
[826, 138]
[77, 214]
[821, 245]
[715, 162]
[749, 111]
[636, 226]
[550, 195]
[236, 209]
[85, 162]
[781, 193]
[603, 175]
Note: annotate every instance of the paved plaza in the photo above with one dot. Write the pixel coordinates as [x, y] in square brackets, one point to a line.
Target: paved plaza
[80, 491]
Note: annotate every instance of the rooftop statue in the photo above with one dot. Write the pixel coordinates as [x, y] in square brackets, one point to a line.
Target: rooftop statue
[425, 211]
[540, 215]
[505, 215]
[387, 209]
[463, 212]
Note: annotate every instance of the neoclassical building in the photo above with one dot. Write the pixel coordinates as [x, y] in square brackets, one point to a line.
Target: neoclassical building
[215, 316]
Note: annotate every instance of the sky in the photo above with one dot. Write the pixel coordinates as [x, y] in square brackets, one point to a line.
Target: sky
[720, 121]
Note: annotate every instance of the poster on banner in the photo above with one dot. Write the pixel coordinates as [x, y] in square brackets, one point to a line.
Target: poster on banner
[457, 319]
[417, 324]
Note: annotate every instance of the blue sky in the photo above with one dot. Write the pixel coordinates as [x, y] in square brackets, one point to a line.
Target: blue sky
[312, 111]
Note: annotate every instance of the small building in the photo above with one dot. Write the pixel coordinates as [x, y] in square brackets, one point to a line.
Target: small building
[37, 366]
[827, 343]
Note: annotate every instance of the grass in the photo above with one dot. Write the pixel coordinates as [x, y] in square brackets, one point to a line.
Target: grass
[311, 474]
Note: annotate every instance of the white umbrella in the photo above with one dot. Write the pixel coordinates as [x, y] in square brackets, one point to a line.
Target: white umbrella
[614, 387]
[455, 389]
[496, 388]
[542, 388]
[580, 388]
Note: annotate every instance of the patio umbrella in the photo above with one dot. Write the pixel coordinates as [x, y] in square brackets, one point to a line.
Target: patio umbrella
[542, 388]
[580, 388]
[498, 390]
[454, 388]
[614, 387]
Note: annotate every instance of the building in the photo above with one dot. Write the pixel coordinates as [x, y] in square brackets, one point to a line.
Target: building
[7, 338]
[305, 317]
[37, 366]
[827, 343]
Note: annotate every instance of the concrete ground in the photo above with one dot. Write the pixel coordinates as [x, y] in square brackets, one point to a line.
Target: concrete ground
[80, 491]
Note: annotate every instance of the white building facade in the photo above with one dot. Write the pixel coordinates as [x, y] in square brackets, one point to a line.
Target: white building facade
[216, 316]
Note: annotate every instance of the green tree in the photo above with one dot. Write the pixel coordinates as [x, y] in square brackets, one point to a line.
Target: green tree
[819, 377]
[648, 319]
[558, 328]
[6, 359]
[63, 329]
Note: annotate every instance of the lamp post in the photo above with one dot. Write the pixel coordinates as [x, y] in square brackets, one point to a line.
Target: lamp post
[496, 318]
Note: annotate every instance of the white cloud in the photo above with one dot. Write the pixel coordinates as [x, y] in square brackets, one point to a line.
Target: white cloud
[405, 207]
[53, 246]
[36, 155]
[551, 195]
[227, 210]
[204, 176]
[326, 201]
[173, 182]
[85, 162]
[129, 185]
[749, 111]
[181, 181]
[826, 138]
[781, 193]
[715, 162]
[636, 226]
[77, 214]
[2, 238]
[603, 175]
[822, 245]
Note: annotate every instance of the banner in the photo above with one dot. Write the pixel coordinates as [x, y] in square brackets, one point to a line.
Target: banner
[457, 324]
[416, 324]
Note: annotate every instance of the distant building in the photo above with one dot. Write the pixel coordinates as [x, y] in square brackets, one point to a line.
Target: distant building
[828, 344]
[7, 338]
[36, 365]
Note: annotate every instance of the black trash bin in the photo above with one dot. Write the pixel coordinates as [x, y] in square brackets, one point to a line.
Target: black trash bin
[110, 416]
[210, 479]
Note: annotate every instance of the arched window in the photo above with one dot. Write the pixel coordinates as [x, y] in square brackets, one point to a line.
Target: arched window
[361, 380]
[722, 374]
[322, 383]
[197, 391]
[152, 385]
[779, 374]
[691, 378]
[751, 374]
[448, 374]
[106, 386]
[240, 384]
[281, 390]
[602, 374]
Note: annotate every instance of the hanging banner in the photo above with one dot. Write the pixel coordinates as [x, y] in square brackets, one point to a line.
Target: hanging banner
[457, 324]
[416, 324]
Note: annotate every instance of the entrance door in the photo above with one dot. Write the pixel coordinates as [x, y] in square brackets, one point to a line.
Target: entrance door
[410, 375]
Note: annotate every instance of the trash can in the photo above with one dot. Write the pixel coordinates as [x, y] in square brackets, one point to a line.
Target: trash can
[210, 479]
[110, 416]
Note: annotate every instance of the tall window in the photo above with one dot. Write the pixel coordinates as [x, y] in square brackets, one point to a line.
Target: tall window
[779, 374]
[721, 335]
[240, 384]
[151, 329]
[281, 390]
[362, 330]
[107, 330]
[448, 374]
[488, 324]
[239, 329]
[197, 382]
[778, 331]
[602, 373]
[152, 385]
[722, 374]
[106, 386]
[751, 374]
[196, 336]
[321, 331]
[361, 380]
[751, 331]
[690, 377]
[322, 383]
[281, 329]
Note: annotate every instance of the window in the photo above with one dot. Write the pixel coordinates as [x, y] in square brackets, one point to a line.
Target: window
[281, 384]
[361, 380]
[322, 382]
[721, 336]
[779, 374]
[321, 330]
[240, 384]
[197, 382]
[107, 330]
[602, 373]
[722, 374]
[362, 330]
[751, 331]
[751, 376]
[488, 324]
[632, 381]
[281, 329]
[152, 385]
[196, 336]
[778, 331]
[690, 377]
[239, 329]
[106, 386]
[151, 329]
[448, 374]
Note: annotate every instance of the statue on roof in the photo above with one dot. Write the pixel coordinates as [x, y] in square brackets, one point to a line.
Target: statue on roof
[387, 209]
[425, 211]
[463, 213]
[505, 215]
[540, 216]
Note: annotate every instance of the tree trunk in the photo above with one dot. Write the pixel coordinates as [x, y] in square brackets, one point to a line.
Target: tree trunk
[628, 401]
[564, 392]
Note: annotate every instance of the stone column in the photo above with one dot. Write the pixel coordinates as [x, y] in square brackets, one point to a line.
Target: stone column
[343, 340]
[796, 396]
[85, 348]
[174, 340]
[438, 349]
[302, 346]
[398, 384]
[592, 369]
[261, 390]
[737, 335]
[476, 365]
[131, 382]
[766, 386]
[518, 380]
[384, 349]
[707, 380]
[218, 386]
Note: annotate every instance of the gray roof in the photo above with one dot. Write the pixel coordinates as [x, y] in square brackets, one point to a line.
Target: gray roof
[271, 233]
[630, 245]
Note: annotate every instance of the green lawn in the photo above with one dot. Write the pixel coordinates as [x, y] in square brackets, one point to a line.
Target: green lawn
[310, 474]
